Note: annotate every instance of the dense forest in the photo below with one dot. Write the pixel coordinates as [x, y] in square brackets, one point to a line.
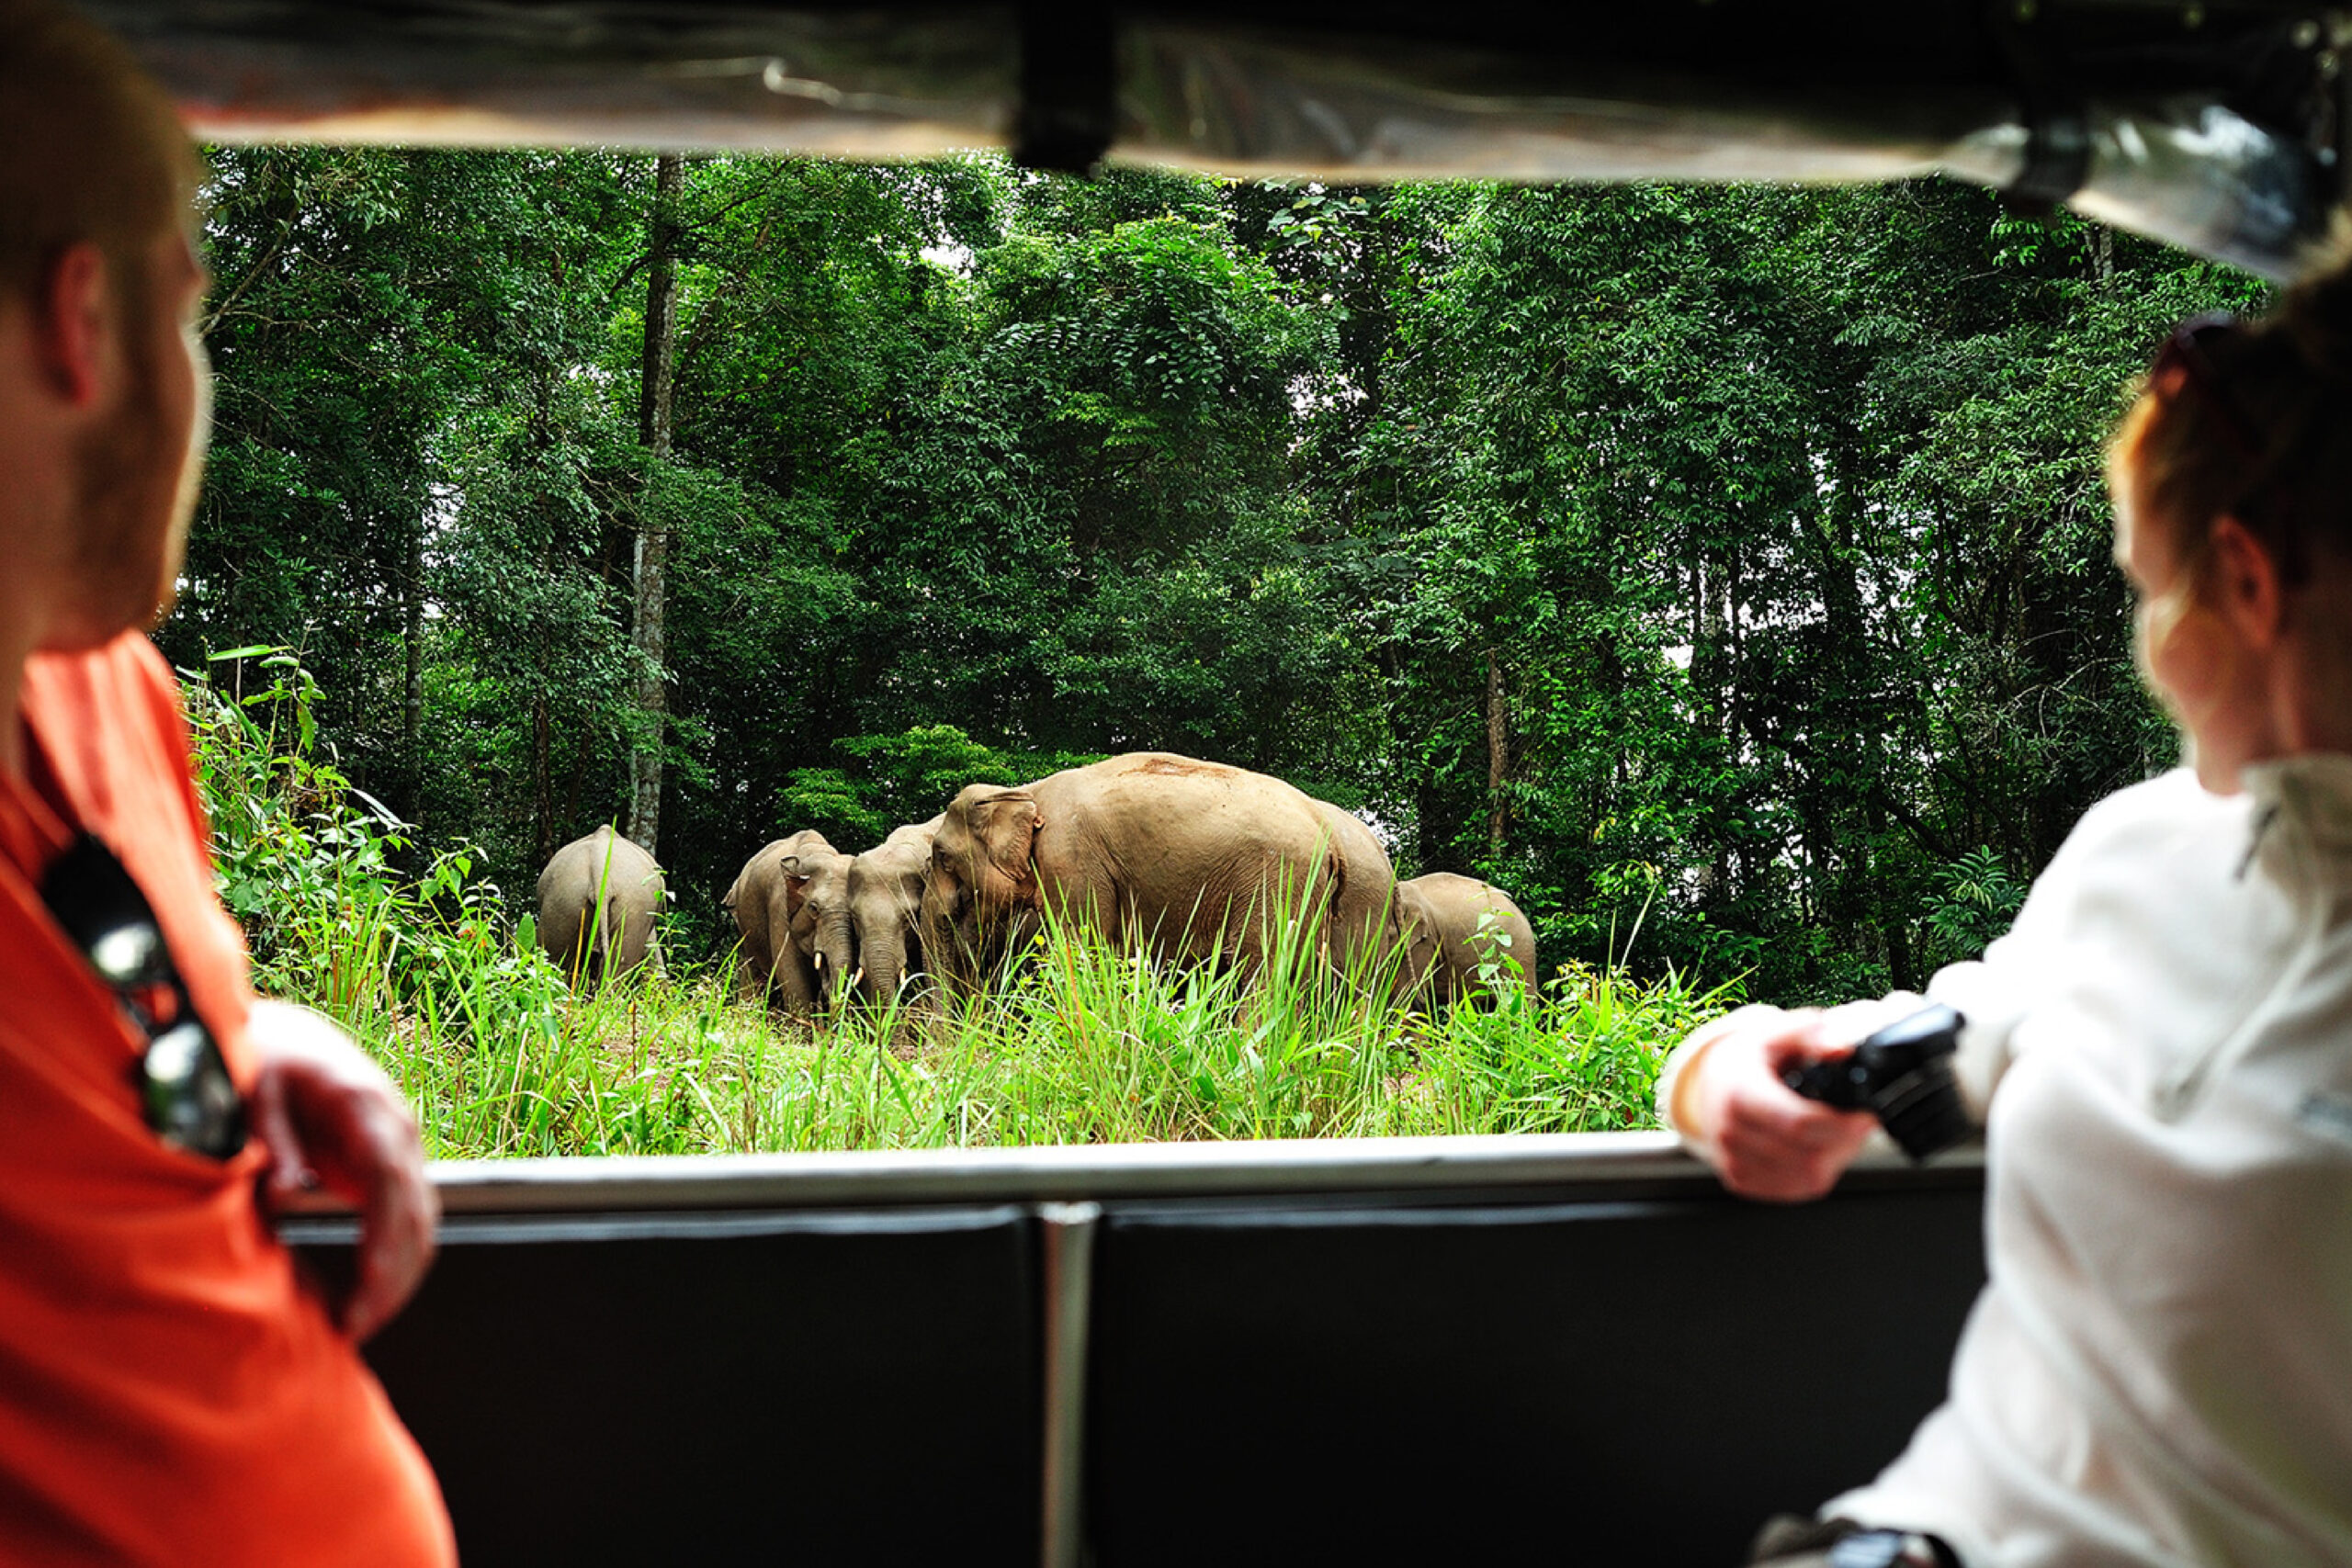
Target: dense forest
[1722, 571]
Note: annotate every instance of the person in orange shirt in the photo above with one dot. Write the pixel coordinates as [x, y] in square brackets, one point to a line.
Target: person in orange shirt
[170, 1390]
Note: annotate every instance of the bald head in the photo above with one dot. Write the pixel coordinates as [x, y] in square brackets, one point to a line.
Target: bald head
[90, 149]
[103, 389]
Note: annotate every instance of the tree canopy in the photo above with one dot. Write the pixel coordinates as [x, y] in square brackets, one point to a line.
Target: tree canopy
[1726, 565]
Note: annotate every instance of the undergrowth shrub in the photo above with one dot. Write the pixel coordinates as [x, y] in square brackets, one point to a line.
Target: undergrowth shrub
[1080, 1044]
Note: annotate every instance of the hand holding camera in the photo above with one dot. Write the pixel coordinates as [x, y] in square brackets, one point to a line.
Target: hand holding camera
[1901, 1074]
[1780, 1102]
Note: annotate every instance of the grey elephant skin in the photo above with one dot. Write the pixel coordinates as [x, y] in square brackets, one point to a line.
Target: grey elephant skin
[1181, 857]
[1448, 936]
[597, 899]
[785, 946]
[1368, 921]
[885, 891]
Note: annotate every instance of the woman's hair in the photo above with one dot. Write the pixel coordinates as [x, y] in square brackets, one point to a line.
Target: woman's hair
[90, 147]
[2254, 421]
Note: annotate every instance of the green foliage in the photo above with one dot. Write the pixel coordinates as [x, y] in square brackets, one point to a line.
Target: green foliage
[1084, 1046]
[896, 779]
[827, 800]
[912, 777]
[1729, 559]
[1778, 517]
[1085, 1043]
[1975, 899]
[306, 862]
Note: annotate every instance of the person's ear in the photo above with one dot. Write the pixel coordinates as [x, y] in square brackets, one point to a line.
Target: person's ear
[2245, 582]
[72, 329]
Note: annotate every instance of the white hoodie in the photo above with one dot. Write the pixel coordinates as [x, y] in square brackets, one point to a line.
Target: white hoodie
[2160, 1367]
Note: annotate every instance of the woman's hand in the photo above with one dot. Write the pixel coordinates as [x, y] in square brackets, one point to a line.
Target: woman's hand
[1763, 1138]
[330, 1118]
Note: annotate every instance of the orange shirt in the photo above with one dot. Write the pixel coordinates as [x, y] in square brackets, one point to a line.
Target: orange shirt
[168, 1392]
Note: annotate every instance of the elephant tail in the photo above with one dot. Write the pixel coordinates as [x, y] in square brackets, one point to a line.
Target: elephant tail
[614, 931]
[1334, 901]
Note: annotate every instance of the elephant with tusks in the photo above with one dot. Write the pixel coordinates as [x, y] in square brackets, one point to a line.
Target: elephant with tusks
[885, 894]
[793, 951]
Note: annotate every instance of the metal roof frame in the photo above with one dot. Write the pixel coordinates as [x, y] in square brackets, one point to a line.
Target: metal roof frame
[2215, 124]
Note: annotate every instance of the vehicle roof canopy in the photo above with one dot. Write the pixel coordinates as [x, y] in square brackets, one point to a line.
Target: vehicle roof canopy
[2215, 124]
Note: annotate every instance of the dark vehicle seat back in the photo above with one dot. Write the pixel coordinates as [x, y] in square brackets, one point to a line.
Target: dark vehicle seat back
[1399, 1351]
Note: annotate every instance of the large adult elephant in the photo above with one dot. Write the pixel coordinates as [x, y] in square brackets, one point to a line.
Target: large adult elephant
[1453, 926]
[886, 909]
[597, 899]
[787, 946]
[1181, 857]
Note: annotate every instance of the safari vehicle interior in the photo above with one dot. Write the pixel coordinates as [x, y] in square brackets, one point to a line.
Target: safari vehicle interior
[1366, 1352]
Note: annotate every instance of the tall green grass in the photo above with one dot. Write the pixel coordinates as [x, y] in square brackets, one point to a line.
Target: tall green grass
[1080, 1044]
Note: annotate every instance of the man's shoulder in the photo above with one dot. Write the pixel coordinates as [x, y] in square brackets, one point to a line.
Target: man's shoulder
[109, 723]
[124, 680]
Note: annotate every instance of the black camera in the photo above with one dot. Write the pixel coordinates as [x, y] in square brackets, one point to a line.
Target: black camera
[1902, 1075]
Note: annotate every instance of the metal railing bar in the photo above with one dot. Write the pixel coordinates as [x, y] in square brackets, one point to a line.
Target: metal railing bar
[1101, 1172]
[1069, 1236]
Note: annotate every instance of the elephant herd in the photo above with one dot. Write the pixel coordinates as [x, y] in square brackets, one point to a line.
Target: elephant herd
[1185, 860]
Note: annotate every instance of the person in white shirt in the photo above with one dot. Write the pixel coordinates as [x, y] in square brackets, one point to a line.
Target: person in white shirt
[2159, 1370]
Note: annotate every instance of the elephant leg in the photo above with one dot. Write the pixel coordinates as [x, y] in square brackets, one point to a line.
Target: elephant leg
[637, 946]
[587, 967]
[795, 983]
[751, 967]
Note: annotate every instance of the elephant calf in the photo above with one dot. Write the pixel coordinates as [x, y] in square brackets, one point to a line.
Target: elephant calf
[597, 899]
[1455, 924]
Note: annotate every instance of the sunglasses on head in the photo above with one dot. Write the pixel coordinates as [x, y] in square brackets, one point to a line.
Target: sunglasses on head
[2186, 359]
[2264, 502]
[183, 1080]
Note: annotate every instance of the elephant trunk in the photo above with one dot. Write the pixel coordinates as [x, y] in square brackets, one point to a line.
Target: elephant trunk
[882, 963]
[835, 956]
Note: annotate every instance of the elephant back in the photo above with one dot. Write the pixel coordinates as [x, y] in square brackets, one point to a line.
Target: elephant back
[1191, 853]
[601, 859]
[1473, 922]
[600, 881]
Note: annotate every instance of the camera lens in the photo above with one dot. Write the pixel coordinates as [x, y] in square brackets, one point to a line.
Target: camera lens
[1922, 1109]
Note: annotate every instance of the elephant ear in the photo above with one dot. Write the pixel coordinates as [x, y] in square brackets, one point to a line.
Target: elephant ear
[1004, 827]
[796, 885]
[1420, 927]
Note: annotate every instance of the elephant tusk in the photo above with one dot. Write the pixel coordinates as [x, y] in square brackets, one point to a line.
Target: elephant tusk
[820, 961]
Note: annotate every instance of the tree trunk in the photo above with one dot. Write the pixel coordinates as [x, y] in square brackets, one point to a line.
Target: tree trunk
[413, 692]
[653, 529]
[542, 803]
[1498, 756]
[1710, 675]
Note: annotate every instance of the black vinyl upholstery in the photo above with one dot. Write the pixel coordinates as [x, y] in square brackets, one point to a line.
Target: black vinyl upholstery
[754, 1388]
[1627, 1382]
[1572, 1373]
